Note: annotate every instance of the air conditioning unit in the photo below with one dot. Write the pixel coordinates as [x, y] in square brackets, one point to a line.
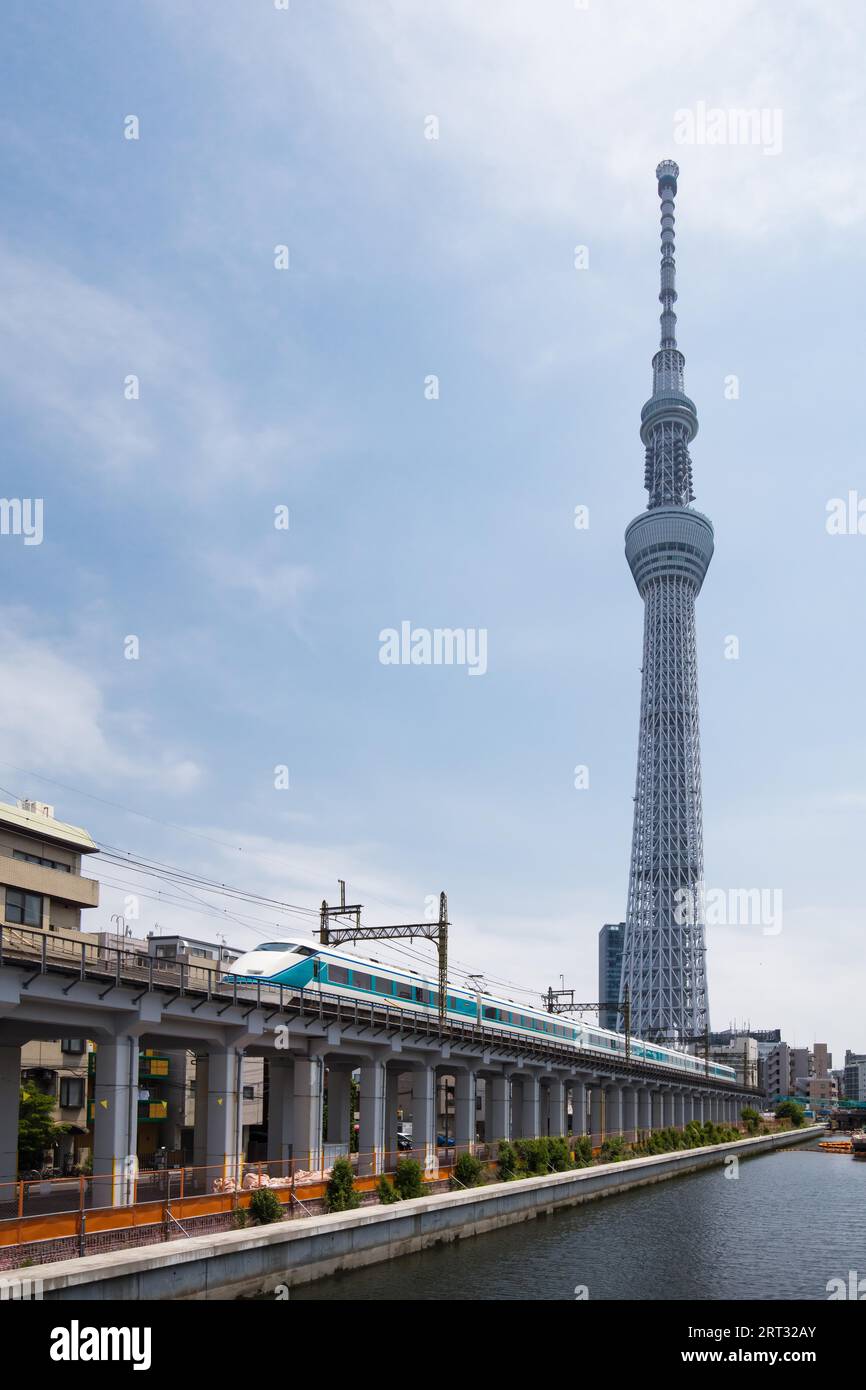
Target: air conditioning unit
[37, 808]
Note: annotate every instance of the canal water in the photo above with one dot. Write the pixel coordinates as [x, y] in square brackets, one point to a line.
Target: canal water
[790, 1222]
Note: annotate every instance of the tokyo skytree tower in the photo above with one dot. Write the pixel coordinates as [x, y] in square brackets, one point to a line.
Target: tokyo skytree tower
[669, 548]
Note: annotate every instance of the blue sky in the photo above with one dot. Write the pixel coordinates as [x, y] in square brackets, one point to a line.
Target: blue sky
[305, 388]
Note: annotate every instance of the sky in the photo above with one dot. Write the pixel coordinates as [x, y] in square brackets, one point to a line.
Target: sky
[171, 657]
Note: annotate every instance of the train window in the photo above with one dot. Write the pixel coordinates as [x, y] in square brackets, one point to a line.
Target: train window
[404, 991]
[280, 946]
[297, 950]
[361, 980]
[384, 986]
[338, 975]
[419, 996]
[524, 1022]
[489, 1012]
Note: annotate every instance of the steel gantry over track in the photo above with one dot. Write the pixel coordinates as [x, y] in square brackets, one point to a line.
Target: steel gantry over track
[562, 1001]
[429, 931]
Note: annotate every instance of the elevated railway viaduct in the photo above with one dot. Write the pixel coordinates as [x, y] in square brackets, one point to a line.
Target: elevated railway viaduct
[127, 1002]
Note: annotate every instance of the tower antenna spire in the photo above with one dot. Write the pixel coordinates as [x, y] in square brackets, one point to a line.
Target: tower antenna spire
[669, 420]
[667, 174]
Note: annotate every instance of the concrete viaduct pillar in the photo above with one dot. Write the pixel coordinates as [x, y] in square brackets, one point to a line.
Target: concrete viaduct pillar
[644, 1109]
[657, 1111]
[553, 1123]
[578, 1108]
[115, 1123]
[309, 1095]
[371, 1125]
[679, 1109]
[424, 1115]
[498, 1121]
[629, 1114]
[667, 1108]
[465, 1093]
[296, 1096]
[530, 1122]
[339, 1100]
[392, 1104]
[223, 1133]
[612, 1111]
[281, 1083]
[596, 1115]
[10, 1090]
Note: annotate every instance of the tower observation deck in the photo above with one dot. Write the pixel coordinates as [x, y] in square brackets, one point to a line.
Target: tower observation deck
[668, 547]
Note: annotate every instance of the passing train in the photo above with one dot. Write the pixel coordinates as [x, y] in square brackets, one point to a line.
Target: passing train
[335, 972]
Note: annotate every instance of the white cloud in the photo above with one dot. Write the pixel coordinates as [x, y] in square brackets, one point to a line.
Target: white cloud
[55, 718]
[555, 114]
[69, 347]
[279, 586]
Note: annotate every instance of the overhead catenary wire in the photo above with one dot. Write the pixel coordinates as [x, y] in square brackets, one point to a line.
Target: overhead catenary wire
[157, 869]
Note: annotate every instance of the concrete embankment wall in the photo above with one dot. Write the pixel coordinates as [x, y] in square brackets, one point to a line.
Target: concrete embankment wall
[296, 1252]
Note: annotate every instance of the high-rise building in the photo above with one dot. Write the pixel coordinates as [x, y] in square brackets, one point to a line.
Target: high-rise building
[855, 1075]
[779, 1073]
[668, 547]
[610, 941]
[801, 1063]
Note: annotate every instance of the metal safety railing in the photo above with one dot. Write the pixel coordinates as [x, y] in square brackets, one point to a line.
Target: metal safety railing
[117, 966]
[34, 1211]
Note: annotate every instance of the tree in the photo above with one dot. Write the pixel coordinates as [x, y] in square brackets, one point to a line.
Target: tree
[790, 1110]
[36, 1128]
[750, 1118]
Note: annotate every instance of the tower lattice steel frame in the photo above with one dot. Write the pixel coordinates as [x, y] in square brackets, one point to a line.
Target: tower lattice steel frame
[669, 548]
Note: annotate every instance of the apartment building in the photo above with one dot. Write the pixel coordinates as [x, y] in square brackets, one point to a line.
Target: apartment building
[41, 884]
[43, 889]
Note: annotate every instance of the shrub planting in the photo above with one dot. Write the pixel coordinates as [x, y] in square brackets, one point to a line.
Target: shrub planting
[265, 1207]
[340, 1194]
[407, 1178]
[468, 1171]
[386, 1193]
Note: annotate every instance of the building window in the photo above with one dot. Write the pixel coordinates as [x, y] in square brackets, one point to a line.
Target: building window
[37, 859]
[24, 909]
[75, 1045]
[71, 1092]
[249, 1093]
